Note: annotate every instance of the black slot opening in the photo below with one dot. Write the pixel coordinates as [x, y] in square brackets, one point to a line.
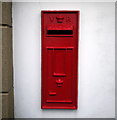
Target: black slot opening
[59, 32]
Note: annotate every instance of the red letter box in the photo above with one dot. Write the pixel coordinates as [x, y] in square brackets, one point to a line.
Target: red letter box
[59, 59]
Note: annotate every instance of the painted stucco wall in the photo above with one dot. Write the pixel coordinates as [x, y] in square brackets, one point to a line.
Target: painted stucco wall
[96, 92]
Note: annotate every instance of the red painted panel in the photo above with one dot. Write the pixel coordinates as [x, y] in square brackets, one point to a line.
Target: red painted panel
[59, 59]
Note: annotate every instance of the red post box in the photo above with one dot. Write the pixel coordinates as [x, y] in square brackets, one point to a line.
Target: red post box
[59, 59]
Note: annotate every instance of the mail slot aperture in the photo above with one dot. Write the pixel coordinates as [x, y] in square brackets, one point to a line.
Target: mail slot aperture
[59, 85]
[59, 30]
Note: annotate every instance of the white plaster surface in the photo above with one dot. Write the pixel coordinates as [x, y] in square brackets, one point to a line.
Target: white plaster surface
[96, 92]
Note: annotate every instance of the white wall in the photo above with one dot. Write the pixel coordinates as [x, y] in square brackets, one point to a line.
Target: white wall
[96, 60]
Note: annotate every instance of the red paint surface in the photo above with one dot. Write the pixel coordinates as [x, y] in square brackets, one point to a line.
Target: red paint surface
[59, 59]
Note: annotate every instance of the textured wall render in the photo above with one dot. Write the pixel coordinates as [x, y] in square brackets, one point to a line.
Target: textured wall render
[96, 60]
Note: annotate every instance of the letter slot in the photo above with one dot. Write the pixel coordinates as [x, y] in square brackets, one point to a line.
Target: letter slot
[59, 61]
[59, 30]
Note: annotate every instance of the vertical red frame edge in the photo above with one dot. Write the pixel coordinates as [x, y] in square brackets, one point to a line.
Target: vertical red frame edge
[77, 46]
[42, 12]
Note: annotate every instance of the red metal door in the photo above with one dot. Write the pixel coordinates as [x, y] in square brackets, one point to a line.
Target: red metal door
[59, 59]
